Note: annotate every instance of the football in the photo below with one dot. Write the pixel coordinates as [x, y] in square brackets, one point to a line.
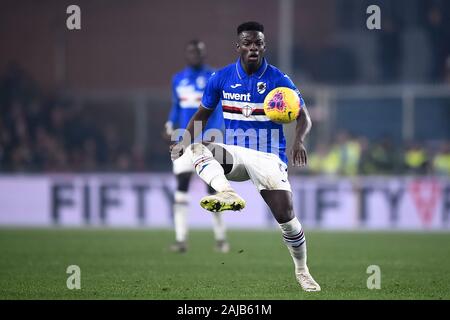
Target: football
[282, 105]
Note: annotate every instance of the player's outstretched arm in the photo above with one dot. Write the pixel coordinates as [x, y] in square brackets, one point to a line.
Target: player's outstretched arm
[304, 124]
[197, 123]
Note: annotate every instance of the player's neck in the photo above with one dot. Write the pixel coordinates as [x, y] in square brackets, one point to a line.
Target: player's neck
[196, 67]
[250, 69]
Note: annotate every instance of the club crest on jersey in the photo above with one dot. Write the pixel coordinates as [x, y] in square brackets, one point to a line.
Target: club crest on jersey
[247, 111]
[261, 86]
[201, 82]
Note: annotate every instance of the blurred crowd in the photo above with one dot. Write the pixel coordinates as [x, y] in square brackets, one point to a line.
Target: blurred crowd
[412, 46]
[433, 21]
[437, 26]
[46, 132]
[349, 156]
[49, 133]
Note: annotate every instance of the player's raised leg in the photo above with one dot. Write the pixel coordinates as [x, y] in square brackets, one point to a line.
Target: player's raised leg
[210, 170]
[280, 203]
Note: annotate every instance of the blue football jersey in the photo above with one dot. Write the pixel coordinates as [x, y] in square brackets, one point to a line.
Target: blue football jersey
[242, 98]
[187, 90]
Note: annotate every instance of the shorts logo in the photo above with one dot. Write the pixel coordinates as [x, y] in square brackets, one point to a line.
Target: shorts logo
[284, 170]
[261, 86]
[247, 111]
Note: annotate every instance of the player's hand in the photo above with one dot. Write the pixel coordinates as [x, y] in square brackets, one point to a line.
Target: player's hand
[299, 155]
[166, 137]
[176, 150]
[168, 131]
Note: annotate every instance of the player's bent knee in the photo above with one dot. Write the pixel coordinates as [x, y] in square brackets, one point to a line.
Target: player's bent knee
[198, 149]
[280, 204]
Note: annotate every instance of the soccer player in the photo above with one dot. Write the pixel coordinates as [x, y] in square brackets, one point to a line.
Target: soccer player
[255, 147]
[187, 91]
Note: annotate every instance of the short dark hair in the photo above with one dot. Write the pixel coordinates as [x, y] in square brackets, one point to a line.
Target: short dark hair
[250, 26]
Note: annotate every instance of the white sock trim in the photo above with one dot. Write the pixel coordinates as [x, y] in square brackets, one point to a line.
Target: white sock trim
[220, 183]
[208, 168]
[180, 221]
[218, 227]
[295, 240]
[181, 197]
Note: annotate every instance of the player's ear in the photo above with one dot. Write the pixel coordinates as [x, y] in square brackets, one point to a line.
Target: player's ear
[237, 46]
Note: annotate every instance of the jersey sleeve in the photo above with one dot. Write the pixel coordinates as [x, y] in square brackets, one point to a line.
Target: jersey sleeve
[211, 95]
[285, 81]
[175, 110]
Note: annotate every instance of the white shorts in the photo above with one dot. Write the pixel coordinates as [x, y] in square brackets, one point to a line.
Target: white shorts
[182, 164]
[265, 170]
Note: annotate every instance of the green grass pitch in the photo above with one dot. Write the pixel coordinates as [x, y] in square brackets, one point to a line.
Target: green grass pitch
[136, 264]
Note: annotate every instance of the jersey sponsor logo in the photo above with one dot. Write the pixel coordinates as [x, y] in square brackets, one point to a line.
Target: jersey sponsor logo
[236, 96]
[247, 111]
[261, 86]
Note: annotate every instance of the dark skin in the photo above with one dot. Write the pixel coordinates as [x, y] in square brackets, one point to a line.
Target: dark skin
[251, 47]
[195, 55]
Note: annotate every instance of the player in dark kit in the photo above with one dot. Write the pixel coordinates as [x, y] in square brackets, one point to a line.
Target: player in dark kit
[255, 147]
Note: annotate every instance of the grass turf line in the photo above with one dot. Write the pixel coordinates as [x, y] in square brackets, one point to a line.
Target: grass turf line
[136, 264]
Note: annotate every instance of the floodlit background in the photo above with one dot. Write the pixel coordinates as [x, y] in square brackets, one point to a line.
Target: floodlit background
[85, 174]
[94, 101]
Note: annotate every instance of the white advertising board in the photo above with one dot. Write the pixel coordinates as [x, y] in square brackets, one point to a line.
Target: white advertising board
[134, 200]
